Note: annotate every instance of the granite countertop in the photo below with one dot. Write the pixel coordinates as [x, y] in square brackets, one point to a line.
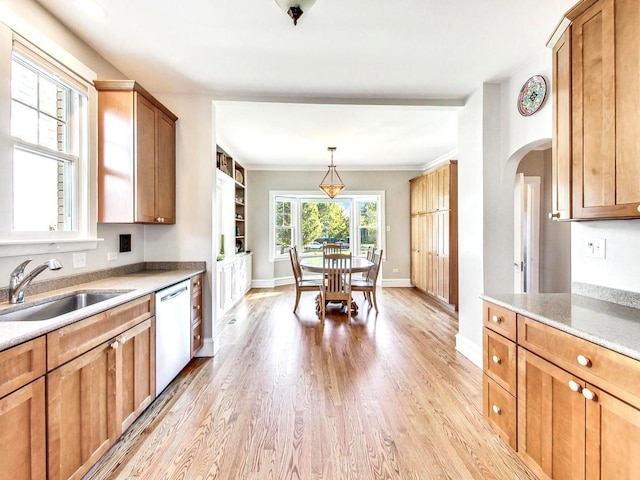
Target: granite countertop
[616, 327]
[133, 285]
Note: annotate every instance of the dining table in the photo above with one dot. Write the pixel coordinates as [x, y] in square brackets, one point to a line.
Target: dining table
[358, 265]
[314, 264]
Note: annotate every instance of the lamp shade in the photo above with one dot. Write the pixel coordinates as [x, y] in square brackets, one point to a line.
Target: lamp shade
[332, 184]
[295, 8]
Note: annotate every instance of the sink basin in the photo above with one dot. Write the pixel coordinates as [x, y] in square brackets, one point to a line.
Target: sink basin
[58, 306]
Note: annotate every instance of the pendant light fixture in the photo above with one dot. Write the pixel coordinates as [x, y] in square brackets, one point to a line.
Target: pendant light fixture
[295, 8]
[332, 184]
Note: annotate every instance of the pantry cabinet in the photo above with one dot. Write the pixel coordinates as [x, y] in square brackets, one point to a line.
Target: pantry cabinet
[136, 155]
[597, 59]
[434, 227]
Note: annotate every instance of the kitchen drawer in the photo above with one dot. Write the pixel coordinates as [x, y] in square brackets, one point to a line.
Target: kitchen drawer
[499, 361]
[196, 306]
[500, 320]
[499, 408]
[196, 337]
[196, 283]
[73, 340]
[608, 370]
[21, 364]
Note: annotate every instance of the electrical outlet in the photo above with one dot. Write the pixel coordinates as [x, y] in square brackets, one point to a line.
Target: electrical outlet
[79, 260]
[112, 256]
[595, 248]
[388, 228]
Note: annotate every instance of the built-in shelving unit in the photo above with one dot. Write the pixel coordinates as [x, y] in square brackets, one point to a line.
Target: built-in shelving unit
[236, 173]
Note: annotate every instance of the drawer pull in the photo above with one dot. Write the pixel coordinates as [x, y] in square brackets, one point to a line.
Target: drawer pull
[115, 344]
[554, 215]
[496, 409]
[574, 386]
[496, 359]
[589, 394]
[496, 319]
[196, 307]
[584, 361]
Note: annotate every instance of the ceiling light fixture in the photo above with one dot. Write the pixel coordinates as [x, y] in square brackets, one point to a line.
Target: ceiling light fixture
[295, 8]
[329, 184]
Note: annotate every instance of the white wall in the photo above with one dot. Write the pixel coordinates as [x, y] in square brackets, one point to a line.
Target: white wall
[470, 228]
[621, 267]
[394, 183]
[493, 138]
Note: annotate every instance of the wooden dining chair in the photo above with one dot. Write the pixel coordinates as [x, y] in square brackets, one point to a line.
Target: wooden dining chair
[367, 285]
[331, 248]
[336, 285]
[301, 283]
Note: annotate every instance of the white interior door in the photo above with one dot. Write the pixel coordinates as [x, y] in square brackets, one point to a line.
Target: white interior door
[519, 212]
[526, 248]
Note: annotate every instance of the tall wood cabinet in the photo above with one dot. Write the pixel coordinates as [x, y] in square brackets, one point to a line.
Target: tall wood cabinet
[597, 60]
[136, 155]
[434, 233]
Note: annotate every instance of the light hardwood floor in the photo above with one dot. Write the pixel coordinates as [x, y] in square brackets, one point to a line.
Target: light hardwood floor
[380, 397]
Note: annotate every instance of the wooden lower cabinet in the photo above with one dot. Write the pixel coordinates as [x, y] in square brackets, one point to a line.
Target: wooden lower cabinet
[80, 412]
[613, 438]
[551, 419]
[22, 433]
[93, 398]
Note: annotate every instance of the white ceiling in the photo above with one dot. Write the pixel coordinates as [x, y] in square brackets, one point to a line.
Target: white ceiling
[378, 53]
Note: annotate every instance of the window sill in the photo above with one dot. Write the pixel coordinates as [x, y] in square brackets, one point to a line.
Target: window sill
[16, 248]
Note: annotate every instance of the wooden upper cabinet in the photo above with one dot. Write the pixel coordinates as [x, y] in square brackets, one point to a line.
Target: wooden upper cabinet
[597, 126]
[418, 195]
[136, 155]
[561, 147]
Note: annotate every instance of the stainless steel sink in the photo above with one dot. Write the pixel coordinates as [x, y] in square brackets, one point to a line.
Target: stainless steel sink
[59, 306]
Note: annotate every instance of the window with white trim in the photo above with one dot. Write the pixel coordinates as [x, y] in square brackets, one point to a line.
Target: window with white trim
[308, 221]
[49, 134]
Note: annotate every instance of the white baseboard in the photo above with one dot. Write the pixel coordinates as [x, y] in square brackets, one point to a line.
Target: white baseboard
[396, 282]
[209, 348]
[469, 349]
[271, 282]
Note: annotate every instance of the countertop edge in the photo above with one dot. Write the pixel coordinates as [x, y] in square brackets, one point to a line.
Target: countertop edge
[540, 317]
[138, 285]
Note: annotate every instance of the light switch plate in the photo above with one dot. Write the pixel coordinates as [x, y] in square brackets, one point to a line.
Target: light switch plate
[79, 260]
[595, 248]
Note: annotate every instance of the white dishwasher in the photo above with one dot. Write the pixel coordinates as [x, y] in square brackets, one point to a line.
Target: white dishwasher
[173, 332]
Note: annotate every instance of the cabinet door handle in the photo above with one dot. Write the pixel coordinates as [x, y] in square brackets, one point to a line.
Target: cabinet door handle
[123, 340]
[115, 345]
[589, 394]
[196, 307]
[496, 409]
[496, 319]
[496, 359]
[554, 215]
[574, 386]
[584, 361]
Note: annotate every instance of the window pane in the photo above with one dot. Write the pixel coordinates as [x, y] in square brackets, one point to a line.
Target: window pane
[51, 132]
[325, 222]
[49, 98]
[40, 201]
[368, 238]
[24, 84]
[284, 240]
[283, 213]
[24, 122]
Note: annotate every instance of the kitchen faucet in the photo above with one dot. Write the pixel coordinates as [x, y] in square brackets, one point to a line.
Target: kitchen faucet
[18, 282]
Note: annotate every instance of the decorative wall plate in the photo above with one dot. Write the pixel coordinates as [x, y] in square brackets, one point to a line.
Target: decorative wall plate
[532, 95]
